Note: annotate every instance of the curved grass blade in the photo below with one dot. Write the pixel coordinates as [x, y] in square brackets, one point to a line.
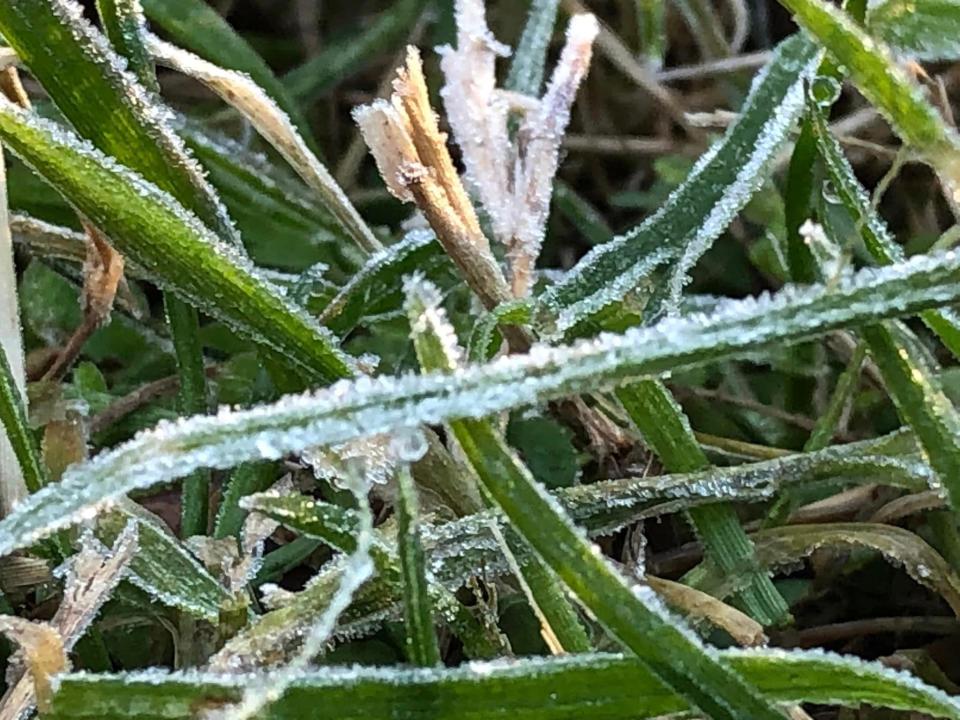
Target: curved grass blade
[783, 546]
[198, 27]
[885, 85]
[275, 126]
[367, 406]
[927, 30]
[147, 225]
[606, 687]
[13, 417]
[674, 238]
[84, 77]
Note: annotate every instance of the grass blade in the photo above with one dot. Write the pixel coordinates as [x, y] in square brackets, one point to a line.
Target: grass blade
[421, 639]
[13, 417]
[124, 26]
[150, 228]
[605, 686]
[437, 350]
[530, 57]
[676, 236]
[921, 402]
[368, 406]
[884, 84]
[197, 26]
[928, 30]
[664, 426]
[80, 71]
[873, 230]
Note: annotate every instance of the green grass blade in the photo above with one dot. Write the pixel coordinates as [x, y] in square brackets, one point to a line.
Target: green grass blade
[377, 287]
[921, 403]
[368, 406]
[784, 546]
[873, 230]
[184, 323]
[674, 238]
[437, 350]
[530, 57]
[197, 26]
[421, 639]
[884, 83]
[123, 25]
[80, 71]
[13, 416]
[247, 479]
[927, 30]
[632, 614]
[149, 227]
[340, 60]
[588, 221]
[163, 568]
[666, 429]
[651, 26]
[606, 687]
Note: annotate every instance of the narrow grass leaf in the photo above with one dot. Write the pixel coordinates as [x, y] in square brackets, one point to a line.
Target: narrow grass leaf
[885, 84]
[921, 402]
[13, 416]
[88, 81]
[666, 429]
[675, 237]
[198, 27]
[530, 56]
[421, 639]
[437, 350]
[877, 238]
[605, 686]
[151, 228]
[367, 406]
[926, 30]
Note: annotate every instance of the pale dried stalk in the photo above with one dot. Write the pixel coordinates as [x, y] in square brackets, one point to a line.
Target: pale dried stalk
[91, 576]
[102, 275]
[541, 135]
[412, 157]
[12, 487]
[512, 176]
[249, 99]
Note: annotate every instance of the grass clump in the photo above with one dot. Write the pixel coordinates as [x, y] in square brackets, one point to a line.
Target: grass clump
[355, 388]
